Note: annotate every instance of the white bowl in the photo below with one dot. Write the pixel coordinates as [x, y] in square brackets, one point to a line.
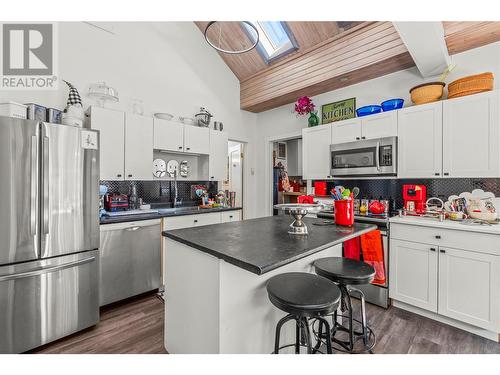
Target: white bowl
[164, 116]
[188, 120]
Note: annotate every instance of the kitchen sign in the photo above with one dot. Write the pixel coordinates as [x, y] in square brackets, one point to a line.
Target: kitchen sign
[336, 111]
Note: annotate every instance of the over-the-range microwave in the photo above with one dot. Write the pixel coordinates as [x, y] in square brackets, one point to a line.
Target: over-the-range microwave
[371, 157]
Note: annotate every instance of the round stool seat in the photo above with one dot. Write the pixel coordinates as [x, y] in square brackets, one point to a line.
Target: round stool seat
[345, 271]
[303, 294]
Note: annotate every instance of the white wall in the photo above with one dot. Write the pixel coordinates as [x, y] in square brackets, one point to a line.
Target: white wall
[282, 120]
[167, 65]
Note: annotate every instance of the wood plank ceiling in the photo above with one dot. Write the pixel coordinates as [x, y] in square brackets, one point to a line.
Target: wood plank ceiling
[332, 55]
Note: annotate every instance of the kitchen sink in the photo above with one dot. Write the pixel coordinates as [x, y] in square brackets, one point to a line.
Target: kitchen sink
[163, 211]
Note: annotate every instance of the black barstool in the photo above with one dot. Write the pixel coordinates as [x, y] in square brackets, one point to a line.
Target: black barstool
[345, 273]
[303, 296]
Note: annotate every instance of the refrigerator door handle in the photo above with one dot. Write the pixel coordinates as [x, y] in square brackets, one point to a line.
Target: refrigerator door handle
[42, 271]
[45, 223]
[34, 183]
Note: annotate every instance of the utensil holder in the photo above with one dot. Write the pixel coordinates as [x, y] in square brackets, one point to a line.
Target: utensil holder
[344, 212]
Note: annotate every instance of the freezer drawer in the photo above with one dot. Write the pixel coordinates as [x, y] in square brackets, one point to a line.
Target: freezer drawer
[42, 301]
[130, 259]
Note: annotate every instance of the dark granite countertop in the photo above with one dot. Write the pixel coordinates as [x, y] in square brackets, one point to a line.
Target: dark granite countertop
[261, 245]
[181, 211]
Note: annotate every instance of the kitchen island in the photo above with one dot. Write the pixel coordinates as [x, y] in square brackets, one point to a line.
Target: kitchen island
[215, 280]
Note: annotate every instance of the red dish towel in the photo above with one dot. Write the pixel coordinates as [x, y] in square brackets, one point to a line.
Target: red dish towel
[373, 254]
[352, 248]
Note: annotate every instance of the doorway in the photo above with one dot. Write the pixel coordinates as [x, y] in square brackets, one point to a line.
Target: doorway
[234, 180]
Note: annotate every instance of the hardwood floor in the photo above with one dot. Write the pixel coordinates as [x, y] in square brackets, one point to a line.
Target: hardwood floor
[132, 327]
[136, 327]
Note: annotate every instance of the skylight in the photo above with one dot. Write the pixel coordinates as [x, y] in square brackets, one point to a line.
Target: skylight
[275, 39]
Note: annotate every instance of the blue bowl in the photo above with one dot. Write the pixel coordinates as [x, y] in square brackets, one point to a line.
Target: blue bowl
[392, 104]
[368, 110]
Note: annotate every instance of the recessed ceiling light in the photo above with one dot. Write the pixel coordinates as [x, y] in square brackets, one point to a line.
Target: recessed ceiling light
[344, 79]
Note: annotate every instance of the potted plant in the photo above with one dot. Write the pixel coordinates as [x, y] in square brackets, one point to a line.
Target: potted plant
[304, 106]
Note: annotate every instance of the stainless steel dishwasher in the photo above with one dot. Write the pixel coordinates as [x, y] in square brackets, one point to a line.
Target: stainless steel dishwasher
[130, 259]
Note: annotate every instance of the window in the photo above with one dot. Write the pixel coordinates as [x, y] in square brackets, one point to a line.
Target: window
[275, 39]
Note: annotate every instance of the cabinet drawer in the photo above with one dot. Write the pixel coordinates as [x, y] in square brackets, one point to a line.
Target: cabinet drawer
[230, 216]
[466, 240]
[188, 221]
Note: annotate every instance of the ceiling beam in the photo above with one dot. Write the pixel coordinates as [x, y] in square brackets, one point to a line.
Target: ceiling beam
[369, 51]
[426, 44]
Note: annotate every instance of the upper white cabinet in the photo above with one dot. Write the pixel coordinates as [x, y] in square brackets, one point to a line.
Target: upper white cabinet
[346, 130]
[196, 140]
[413, 274]
[168, 135]
[381, 125]
[316, 152]
[471, 136]
[420, 139]
[218, 155]
[138, 147]
[111, 126]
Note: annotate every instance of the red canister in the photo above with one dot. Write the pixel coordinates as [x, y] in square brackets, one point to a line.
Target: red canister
[344, 212]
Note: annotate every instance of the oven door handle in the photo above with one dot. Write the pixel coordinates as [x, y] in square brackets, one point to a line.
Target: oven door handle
[377, 156]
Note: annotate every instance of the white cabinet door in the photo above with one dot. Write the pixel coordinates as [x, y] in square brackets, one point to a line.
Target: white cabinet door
[111, 126]
[316, 152]
[381, 125]
[230, 216]
[138, 147]
[413, 274]
[469, 287]
[471, 136]
[196, 140]
[168, 135]
[346, 131]
[217, 159]
[420, 141]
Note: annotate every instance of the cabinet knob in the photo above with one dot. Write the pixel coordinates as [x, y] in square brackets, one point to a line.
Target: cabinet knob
[438, 237]
[357, 138]
[437, 174]
[432, 249]
[363, 137]
[180, 147]
[118, 175]
[129, 175]
[231, 216]
[195, 221]
[442, 251]
[212, 177]
[446, 173]
[188, 148]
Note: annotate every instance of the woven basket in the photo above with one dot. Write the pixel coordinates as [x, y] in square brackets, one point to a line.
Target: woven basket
[427, 92]
[470, 85]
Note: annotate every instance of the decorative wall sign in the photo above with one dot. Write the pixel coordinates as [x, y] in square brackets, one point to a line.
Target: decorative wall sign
[336, 111]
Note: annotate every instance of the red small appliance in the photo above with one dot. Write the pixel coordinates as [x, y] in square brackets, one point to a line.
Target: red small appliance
[116, 202]
[414, 197]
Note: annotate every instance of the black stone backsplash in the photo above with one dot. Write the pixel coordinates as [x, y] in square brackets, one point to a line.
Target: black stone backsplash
[441, 188]
[161, 191]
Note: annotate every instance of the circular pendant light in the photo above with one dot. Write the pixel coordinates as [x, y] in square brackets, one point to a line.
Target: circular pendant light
[211, 29]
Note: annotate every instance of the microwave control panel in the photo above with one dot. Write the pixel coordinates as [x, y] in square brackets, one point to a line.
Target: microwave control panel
[386, 156]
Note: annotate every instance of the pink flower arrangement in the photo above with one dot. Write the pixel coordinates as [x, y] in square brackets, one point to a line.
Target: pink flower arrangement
[304, 105]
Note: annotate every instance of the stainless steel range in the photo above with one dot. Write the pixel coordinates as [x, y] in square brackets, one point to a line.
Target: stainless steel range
[376, 294]
[49, 231]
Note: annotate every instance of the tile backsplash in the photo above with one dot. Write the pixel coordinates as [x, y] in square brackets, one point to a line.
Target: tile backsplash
[161, 191]
[441, 188]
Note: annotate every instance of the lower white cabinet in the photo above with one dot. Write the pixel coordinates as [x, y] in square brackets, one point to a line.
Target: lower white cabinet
[413, 276]
[469, 287]
[453, 282]
[188, 221]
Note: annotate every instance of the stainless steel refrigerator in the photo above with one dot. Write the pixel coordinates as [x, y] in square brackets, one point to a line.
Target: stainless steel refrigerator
[49, 232]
